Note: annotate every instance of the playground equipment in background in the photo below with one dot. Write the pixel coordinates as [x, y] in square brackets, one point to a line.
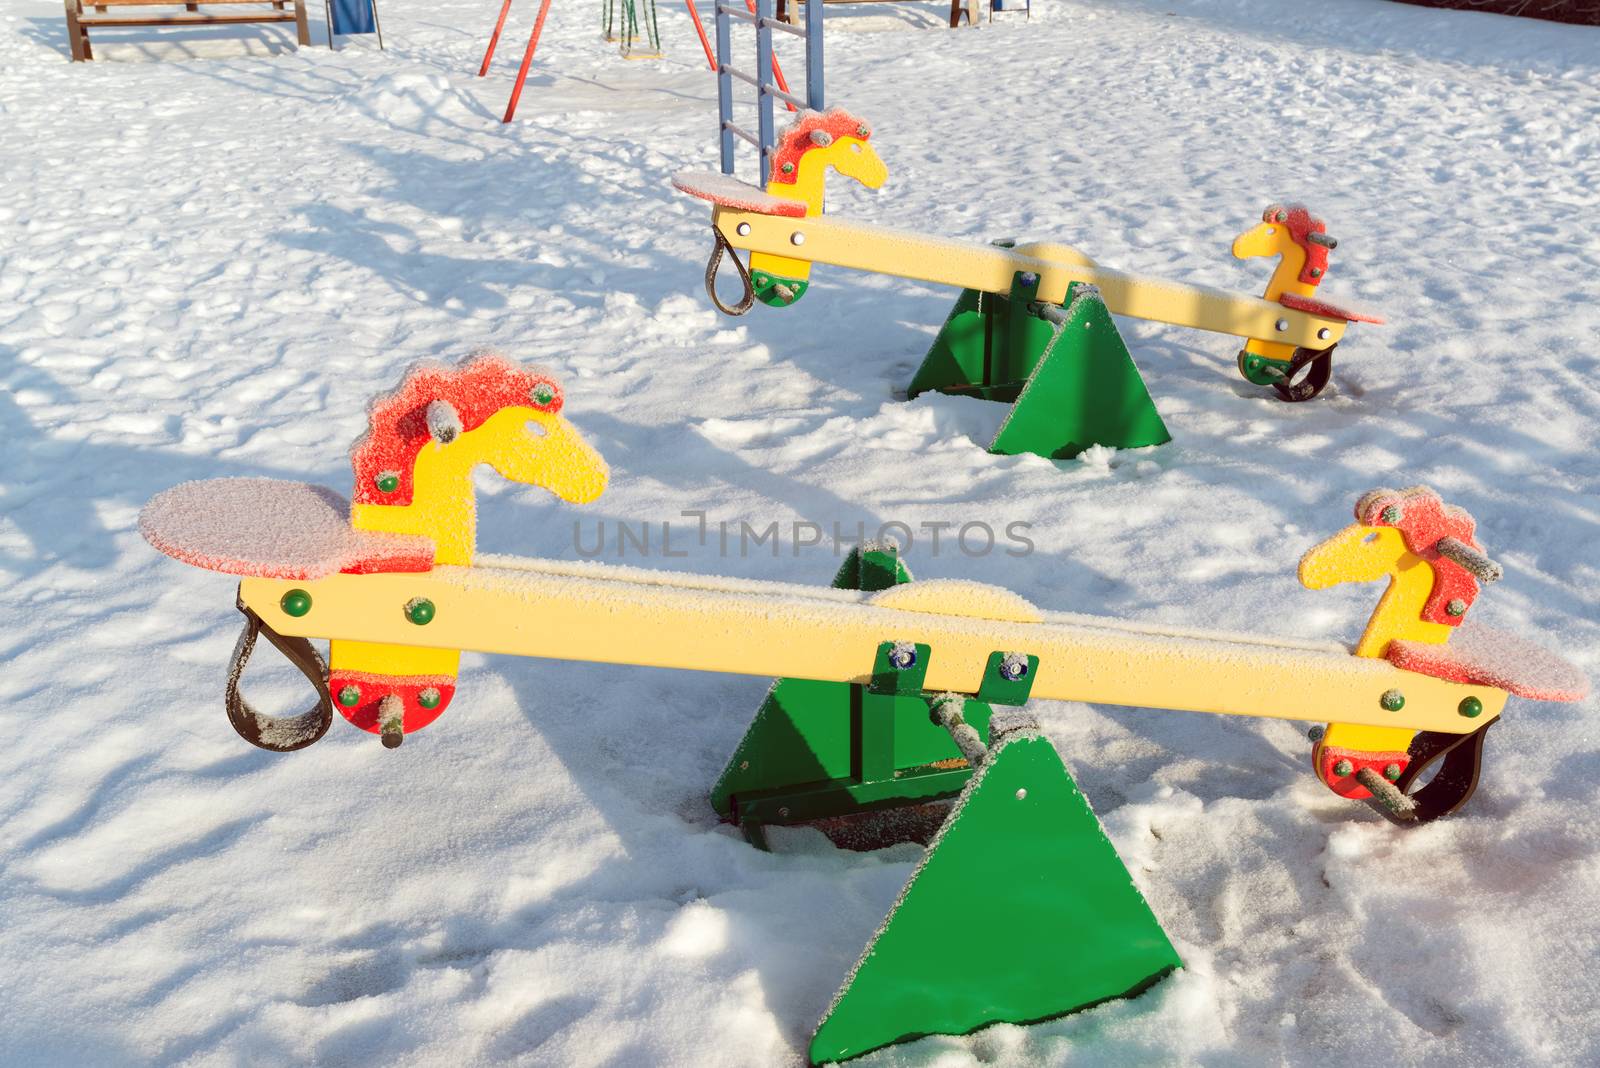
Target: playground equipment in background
[622, 23]
[351, 18]
[768, 79]
[618, 23]
[887, 690]
[1008, 337]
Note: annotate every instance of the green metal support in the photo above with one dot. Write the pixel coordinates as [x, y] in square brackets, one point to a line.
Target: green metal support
[1068, 372]
[1020, 911]
[822, 749]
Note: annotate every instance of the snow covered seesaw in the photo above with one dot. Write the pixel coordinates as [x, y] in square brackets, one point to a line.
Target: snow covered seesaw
[1030, 326]
[887, 688]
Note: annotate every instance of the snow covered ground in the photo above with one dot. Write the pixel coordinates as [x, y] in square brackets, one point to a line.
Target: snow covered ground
[212, 253]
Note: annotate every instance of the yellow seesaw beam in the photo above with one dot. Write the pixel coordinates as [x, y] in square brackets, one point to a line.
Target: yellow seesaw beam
[620, 615]
[990, 269]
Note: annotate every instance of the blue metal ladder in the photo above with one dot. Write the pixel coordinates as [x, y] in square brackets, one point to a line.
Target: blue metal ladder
[766, 90]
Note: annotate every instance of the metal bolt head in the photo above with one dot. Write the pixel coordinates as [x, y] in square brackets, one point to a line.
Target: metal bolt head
[1392, 700]
[783, 813]
[1282, 326]
[1470, 707]
[349, 696]
[743, 229]
[1028, 279]
[295, 603]
[1324, 334]
[1022, 794]
[420, 611]
[1315, 734]
[797, 238]
[1391, 772]
[1343, 768]
[902, 657]
[1014, 667]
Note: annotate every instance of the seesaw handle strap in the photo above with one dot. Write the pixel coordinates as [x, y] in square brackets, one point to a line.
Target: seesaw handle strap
[280, 734]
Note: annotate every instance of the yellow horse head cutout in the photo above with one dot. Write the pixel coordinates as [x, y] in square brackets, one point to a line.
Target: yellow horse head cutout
[815, 142]
[413, 467]
[1301, 241]
[1427, 551]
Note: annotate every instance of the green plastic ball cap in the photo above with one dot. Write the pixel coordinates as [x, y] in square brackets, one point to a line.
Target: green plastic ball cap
[387, 481]
[1470, 707]
[1344, 767]
[295, 603]
[420, 611]
[429, 698]
[349, 696]
[1392, 700]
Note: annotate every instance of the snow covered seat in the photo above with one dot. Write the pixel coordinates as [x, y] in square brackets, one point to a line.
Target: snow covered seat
[1313, 306]
[271, 528]
[729, 192]
[1484, 656]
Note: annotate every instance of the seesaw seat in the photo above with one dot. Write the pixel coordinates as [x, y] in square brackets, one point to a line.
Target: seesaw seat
[1485, 656]
[1313, 306]
[729, 192]
[272, 528]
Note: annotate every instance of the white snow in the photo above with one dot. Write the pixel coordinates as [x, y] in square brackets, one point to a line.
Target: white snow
[215, 248]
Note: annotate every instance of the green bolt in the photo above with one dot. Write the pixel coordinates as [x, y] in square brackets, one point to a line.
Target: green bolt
[295, 603]
[428, 698]
[387, 481]
[1392, 700]
[788, 168]
[1470, 707]
[543, 393]
[420, 611]
[1456, 607]
[349, 696]
[1344, 767]
[1391, 514]
[1392, 772]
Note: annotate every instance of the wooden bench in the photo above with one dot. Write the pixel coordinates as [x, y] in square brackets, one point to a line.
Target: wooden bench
[79, 18]
[788, 10]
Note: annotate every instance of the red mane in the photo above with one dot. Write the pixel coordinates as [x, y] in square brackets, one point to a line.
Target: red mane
[398, 426]
[1298, 220]
[796, 141]
[1422, 519]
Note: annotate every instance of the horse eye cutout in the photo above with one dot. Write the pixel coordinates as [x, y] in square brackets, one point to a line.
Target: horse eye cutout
[537, 429]
[1370, 538]
[856, 149]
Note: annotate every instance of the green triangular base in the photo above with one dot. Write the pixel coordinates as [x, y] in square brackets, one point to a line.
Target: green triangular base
[1020, 911]
[1085, 390]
